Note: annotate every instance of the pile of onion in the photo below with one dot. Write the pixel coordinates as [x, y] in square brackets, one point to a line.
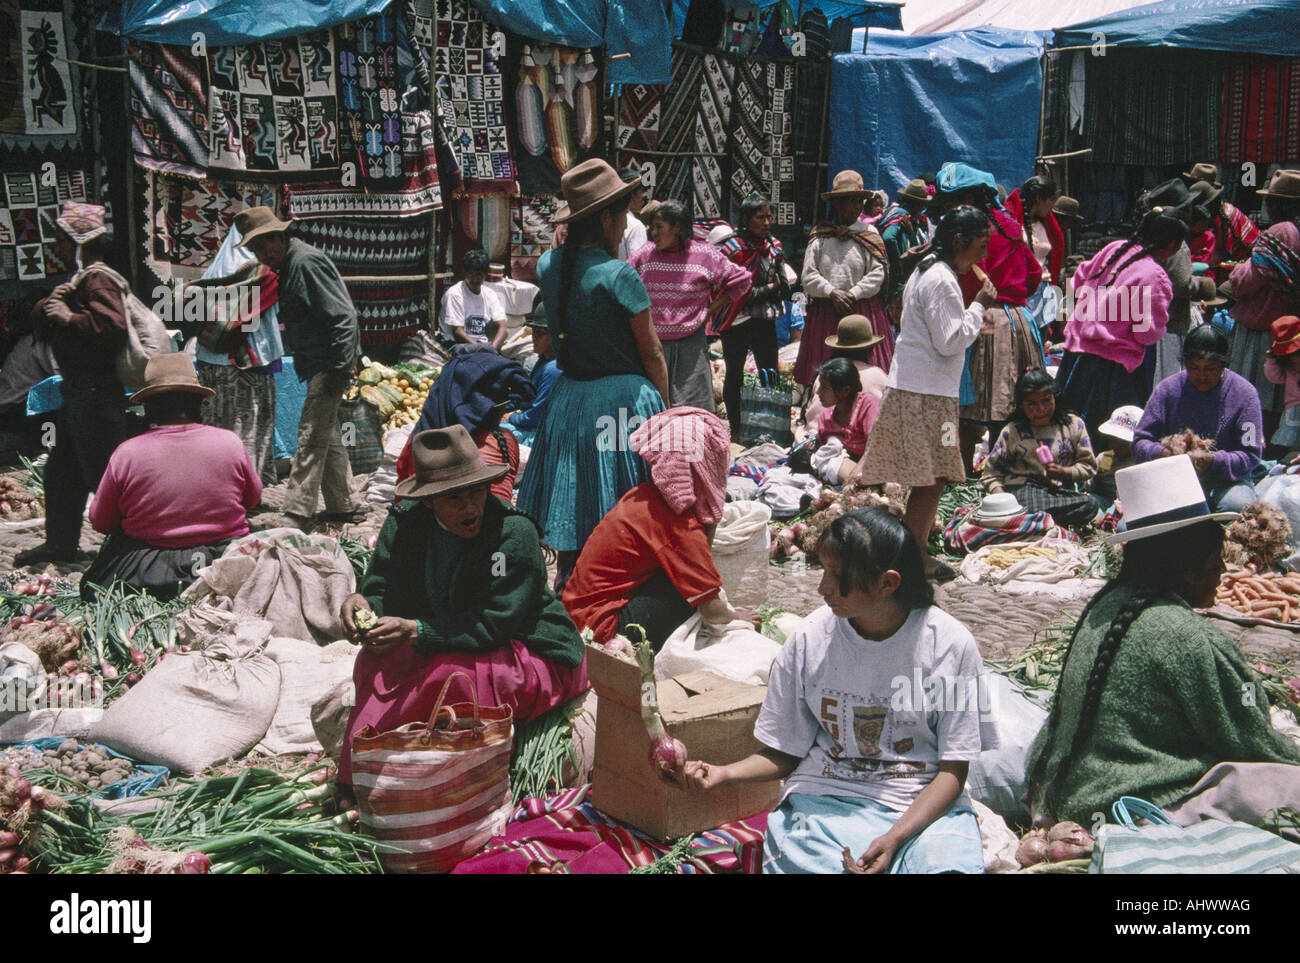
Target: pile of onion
[20, 803]
[1064, 841]
[1260, 538]
[133, 856]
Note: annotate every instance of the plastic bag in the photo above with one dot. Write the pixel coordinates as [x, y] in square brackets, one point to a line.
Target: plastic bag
[734, 651]
[740, 551]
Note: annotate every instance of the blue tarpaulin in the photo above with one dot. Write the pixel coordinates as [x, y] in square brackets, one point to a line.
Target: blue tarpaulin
[887, 15]
[1267, 27]
[637, 27]
[912, 103]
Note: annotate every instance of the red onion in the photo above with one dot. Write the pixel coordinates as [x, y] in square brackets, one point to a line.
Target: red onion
[800, 529]
[20, 865]
[137, 657]
[1068, 840]
[617, 644]
[8, 840]
[44, 579]
[132, 678]
[194, 863]
[72, 665]
[6, 855]
[108, 669]
[667, 755]
[1060, 852]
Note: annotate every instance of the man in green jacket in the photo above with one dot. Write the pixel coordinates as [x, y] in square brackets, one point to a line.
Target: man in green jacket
[320, 331]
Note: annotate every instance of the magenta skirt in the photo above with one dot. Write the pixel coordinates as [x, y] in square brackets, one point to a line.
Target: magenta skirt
[820, 323]
[402, 686]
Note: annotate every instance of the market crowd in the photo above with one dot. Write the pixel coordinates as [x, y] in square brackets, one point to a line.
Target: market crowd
[924, 357]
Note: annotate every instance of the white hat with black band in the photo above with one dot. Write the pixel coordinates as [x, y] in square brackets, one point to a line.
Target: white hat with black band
[1162, 495]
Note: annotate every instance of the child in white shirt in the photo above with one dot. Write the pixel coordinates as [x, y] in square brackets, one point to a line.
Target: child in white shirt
[472, 313]
[875, 709]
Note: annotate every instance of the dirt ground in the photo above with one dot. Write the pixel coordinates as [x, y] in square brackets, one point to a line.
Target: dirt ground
[1001, 625]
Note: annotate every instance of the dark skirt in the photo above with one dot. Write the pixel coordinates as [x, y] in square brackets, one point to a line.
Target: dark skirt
[1069, 509]
[161, 572]
[1093, 387]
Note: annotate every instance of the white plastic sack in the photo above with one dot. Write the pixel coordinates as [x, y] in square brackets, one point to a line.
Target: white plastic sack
[827, 459]
[1000, 844]
[307, 673]
[997, 777]
[783, 490]
[734, 651]
[196, 709]
[379, 488]
[740, 551]
[1282, 491]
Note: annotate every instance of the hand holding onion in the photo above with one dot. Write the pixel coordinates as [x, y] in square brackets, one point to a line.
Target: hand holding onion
[667, 755]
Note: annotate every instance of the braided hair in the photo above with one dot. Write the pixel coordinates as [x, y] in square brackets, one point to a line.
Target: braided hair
[965, 221]
[1031, 192]
[1158, 228]
[1155, 569]
[585, 232]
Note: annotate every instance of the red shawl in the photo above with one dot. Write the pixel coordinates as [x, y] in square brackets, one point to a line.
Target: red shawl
[1056, 259]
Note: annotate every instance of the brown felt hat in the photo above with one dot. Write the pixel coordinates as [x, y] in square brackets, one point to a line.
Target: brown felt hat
[914, 191]
[255, 221]
[170, 372]
[590, 187]
[847, 184]
[1067, 208]
[1203, 172]
[1205, 192]
[446, 461]
[853, 333]
[1285, 184]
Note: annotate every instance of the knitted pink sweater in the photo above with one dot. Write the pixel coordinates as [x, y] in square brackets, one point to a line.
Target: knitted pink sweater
[683, 282]
[1116, 316]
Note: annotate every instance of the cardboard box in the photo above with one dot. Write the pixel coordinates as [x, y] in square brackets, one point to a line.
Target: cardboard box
[712, 716]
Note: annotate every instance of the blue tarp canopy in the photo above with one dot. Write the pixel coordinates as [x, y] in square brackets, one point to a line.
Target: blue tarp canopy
[638, 27]
[911, 103]
[887, 15]
[1268, 27]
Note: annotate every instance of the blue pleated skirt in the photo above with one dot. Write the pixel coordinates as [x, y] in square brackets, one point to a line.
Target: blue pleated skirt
[581, 463]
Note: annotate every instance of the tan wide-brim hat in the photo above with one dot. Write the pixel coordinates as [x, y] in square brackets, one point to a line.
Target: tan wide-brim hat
[914, 191]
[446, 461]
[847, 184]
[1203, 172]
[1285, 184]
[853, 333]
[255, 222]
[170, 372]
[588, 188]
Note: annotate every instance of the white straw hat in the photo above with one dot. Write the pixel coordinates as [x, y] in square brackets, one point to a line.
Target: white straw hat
[1162, 495]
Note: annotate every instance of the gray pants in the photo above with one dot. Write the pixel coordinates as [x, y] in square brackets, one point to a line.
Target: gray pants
[320, 466]
[690, 379]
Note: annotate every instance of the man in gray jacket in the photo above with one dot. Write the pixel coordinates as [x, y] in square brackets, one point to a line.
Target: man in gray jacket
[320, 331]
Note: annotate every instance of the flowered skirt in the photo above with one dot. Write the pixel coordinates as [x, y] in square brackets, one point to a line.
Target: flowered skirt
[914, 441]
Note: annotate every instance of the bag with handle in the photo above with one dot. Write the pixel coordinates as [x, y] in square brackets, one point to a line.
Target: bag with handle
[145, 332]
[435, 792]
[1209, 846]
[765, 411]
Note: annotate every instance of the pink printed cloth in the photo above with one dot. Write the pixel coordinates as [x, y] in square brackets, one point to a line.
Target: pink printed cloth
[689, 452]
[683, 282]
[177, 486]
[1118, 313]
[565, 833]
[402, 686]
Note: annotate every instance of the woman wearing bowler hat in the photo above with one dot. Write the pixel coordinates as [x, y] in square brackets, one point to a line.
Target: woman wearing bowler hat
[173, 498]
[458, 582]
[614, 373]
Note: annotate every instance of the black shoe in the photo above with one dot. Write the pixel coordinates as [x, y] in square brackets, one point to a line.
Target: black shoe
[42, 554]
[943, 573]
[353, 516]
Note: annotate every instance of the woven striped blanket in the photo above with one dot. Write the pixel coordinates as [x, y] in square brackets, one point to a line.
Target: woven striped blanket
[566, 829]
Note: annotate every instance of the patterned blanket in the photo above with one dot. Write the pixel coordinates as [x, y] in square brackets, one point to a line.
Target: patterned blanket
[370, 121]
[37, 93]
[188, 220]
[532, 233]
[566, 834]
[169, 112]
[273, 107]
[1260, 102]
[468, 55]
[29, 205]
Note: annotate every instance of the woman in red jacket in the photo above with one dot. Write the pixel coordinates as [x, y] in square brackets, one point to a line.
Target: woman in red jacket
[1032, 205]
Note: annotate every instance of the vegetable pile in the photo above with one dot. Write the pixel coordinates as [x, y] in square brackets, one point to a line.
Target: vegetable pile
[1039, 664]
[17, 504]
[1063, 843]
[1260, 538]
[69, 766]
[1260, 596]
[1004, 558]
[397, 393]
[1185, 442]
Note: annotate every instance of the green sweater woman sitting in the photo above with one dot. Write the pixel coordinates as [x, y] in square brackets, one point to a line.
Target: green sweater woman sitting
[1152, 696]
[459, 586]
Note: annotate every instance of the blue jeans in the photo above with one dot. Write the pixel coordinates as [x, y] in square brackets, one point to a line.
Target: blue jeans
[1232, 497]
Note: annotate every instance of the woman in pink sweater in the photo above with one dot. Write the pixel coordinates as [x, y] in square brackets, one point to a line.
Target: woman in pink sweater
[173, 498]
[1120, 304]
[687, 281]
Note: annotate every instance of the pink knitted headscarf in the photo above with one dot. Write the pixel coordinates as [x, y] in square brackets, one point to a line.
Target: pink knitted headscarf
[689, 451]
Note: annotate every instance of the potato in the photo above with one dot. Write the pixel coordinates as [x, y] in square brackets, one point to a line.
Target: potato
[110, 777]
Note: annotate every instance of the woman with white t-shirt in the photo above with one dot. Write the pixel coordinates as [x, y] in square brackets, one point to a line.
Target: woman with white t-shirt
[875, 709]
[914, 441]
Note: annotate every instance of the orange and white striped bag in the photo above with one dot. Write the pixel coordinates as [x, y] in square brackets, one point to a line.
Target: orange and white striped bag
[435, 792]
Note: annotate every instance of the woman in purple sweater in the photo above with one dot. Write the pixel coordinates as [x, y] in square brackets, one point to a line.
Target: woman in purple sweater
[1215, 403]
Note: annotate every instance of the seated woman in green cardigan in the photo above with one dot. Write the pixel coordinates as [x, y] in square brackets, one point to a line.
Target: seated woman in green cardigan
[1152, 696]
[459, 584]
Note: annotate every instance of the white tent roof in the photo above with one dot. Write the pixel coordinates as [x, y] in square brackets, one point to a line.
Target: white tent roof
[943, 16]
